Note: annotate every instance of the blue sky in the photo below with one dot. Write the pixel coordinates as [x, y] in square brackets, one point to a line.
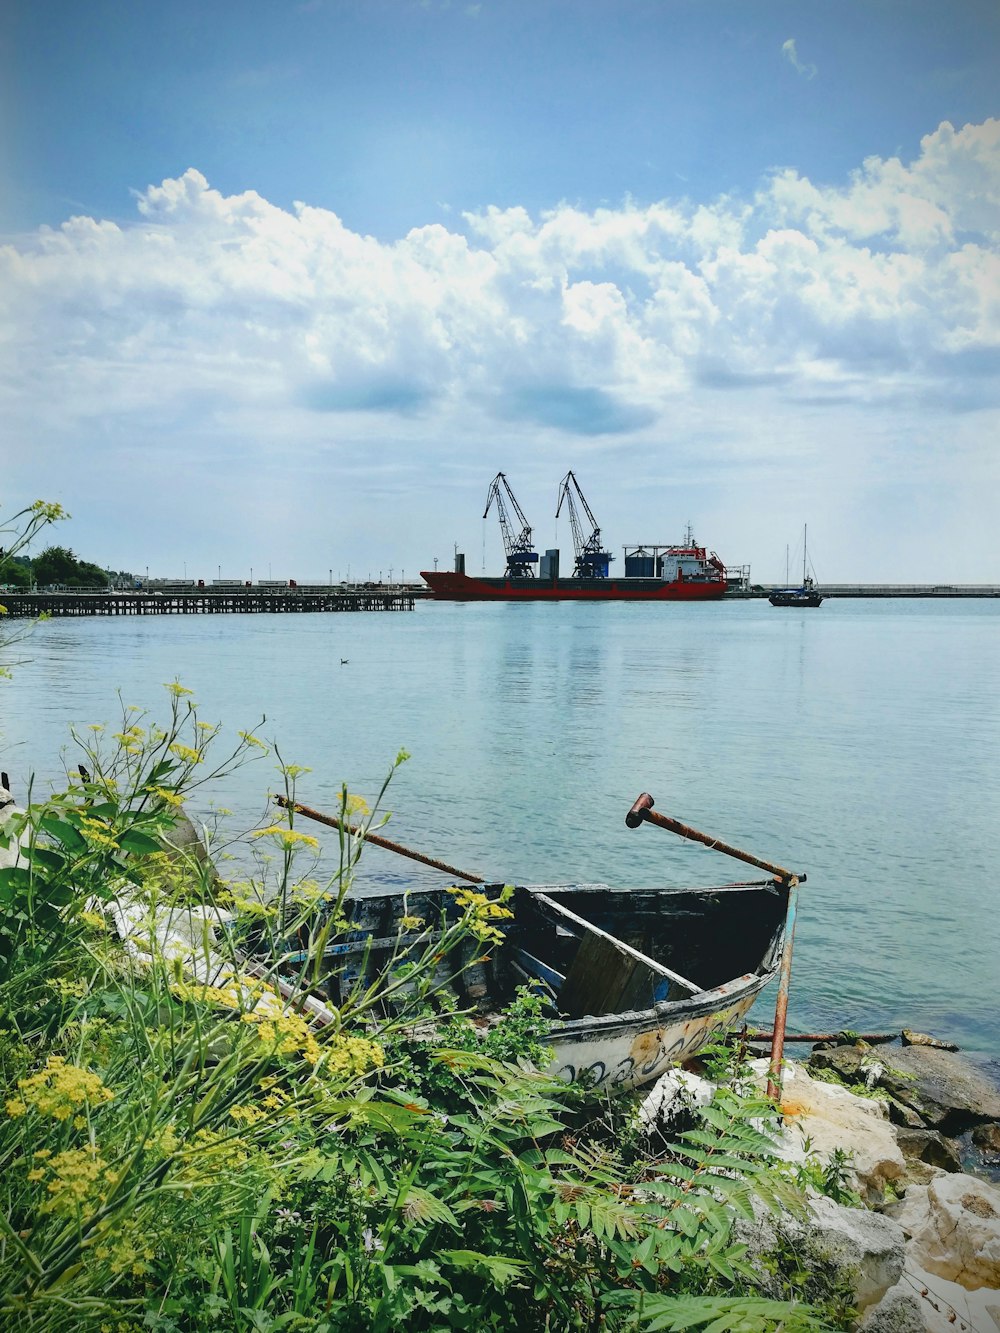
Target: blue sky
[288, 283]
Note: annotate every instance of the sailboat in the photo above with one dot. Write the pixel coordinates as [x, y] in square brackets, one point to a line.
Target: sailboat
[806, 595]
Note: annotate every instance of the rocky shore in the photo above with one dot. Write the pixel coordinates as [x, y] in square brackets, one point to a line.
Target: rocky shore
[900, 1148]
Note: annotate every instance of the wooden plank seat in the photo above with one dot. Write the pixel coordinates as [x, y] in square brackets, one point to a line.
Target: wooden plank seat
[606, 975]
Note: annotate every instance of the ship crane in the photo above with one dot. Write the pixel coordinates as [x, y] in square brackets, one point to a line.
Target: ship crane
[521, 555]
[591, 561]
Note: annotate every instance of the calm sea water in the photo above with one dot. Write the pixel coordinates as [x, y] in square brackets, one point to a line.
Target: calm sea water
[858, 743]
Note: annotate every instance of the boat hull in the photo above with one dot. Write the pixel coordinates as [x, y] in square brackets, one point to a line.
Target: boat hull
[794, 598]
[637, 1048]
[454, 587]
[620, 1014]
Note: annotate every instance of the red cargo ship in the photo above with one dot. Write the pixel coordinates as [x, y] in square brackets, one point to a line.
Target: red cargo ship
[687, 573]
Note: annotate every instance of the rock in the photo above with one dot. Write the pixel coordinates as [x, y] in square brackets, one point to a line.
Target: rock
[944, 1306]
[186, 846]
[849, 1063]
[899, 1311]
[919, 1173]
[954, 1228]
[927, 1145]
[867, 1246]
[911, 1038]
[829, 1117]
[674, 1093]
[850, 1247]
[11, 854]
[901, 1114]
[920, 1302]
[183, 840]
[987, 1139]
[950, 1093]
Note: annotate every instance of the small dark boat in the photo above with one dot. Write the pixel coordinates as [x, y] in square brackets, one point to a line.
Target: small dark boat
[607, 960]
[805, 595]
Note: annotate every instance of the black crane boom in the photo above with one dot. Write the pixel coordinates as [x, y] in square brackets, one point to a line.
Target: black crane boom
[521, 555]
[591, 561]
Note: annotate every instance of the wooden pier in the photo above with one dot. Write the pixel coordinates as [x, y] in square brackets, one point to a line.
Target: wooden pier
[202, 601]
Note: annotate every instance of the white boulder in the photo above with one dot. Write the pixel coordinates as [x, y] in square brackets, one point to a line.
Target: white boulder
[866, 1246]
[953, 1223]
[11, 839]
[823, 1117]
[922, 1302]
[675, 1092]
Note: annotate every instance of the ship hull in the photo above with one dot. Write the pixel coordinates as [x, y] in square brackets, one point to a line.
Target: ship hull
[451, 587]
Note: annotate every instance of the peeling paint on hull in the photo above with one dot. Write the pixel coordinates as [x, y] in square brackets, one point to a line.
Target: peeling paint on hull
[636, 1048]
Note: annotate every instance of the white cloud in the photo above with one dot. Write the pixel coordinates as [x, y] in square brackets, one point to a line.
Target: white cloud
[258, 329]
[788, 50]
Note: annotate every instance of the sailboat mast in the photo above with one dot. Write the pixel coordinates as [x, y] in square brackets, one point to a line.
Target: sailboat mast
[805, 529]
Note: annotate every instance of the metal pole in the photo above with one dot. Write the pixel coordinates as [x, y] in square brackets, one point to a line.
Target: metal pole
[781, 1006]
[332, 822]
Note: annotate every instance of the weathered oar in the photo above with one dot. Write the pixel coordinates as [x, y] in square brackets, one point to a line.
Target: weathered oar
[642, 811]
[332, 822]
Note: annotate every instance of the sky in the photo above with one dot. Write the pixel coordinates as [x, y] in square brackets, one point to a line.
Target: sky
[284, 285]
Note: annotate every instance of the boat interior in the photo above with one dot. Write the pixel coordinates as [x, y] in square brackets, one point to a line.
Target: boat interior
[586, 949]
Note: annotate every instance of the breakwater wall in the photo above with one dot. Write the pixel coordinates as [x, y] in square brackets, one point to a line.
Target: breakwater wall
[236, 601]
[889, 590]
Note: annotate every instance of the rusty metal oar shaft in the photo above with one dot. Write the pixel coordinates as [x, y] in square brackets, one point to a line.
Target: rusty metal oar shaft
[643, 811]
[332, 822]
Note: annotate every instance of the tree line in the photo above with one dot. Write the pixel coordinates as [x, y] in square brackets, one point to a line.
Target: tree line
[58, 565]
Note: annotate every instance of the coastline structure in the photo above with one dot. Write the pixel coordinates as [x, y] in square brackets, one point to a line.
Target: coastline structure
[204, 601]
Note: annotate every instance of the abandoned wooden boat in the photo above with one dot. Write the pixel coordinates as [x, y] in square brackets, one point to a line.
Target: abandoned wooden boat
[635, 979]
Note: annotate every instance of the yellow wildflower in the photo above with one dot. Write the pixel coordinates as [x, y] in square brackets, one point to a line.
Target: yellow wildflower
[70, 989]
[166, 1143]
[293, 770]
[97, 831]
[288, 837]
[411, 922]
[166, 795]
[228, 996]
[73, 1181]
[352, 1056]
[93, 919]
[480, 911]
[307, 893]
[49, 510]
[58, 1090]
[177, 689]
[250, 739]
[185, 753]
[212, 1151]
[286, 1034]
[247, 1115]
[355, 805]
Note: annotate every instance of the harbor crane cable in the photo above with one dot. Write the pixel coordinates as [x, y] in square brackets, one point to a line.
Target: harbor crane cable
[521, 555]
[591, 561]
